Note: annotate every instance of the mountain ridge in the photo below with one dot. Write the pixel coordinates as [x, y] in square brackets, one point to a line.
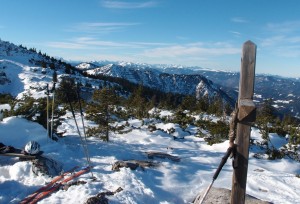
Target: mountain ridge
[285, 92]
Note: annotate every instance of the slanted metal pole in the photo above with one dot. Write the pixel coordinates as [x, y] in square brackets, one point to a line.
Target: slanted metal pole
[47, 93]
[246, 115]
[52, 115]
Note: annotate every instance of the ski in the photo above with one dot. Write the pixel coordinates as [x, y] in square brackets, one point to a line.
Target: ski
[49, 185]
[56, 185]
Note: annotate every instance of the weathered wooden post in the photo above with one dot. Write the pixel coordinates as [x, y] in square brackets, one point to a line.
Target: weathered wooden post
[246, 116]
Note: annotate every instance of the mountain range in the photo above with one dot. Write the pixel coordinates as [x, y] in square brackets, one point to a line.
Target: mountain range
[284, 92]
[22, 69]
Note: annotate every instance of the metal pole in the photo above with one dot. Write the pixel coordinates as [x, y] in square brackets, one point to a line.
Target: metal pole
[47, 93]
[51, 135]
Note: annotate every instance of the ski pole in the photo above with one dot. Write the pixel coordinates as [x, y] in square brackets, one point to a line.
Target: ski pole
[53, 93]
[222, 163]
[47, 93]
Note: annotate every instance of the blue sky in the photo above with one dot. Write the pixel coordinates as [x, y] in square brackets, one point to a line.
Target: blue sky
[205, 33]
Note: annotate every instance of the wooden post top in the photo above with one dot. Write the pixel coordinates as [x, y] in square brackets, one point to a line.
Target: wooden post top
[247, 74]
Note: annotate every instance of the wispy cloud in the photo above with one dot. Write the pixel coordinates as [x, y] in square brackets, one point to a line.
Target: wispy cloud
[273, 40]
[235, 33]
[65, 45]
[284, 27]
[101, 27]
[282, 45]
[196, 53]
[239, 20]
[128, 5]
[289, 51]
[93, 43]
[154, 49]
[282, 39]
[194, 49]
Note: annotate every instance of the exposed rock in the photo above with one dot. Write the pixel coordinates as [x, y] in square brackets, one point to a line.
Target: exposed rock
[162, 155]
[222, 196]
[133, 164]
[100, 198]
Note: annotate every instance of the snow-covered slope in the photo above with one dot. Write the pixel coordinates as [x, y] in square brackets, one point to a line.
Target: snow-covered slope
[21, 72]
[25, 72]
[170, 182]
[23, 80]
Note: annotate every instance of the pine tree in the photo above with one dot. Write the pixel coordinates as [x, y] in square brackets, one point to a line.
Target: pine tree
[101, 111]
[137, 103]
[67, 91]
[189, 103]
[203, 104]
[52, 66]
[54, 77]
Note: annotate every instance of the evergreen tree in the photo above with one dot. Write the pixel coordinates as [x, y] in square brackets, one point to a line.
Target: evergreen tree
[137, 103]
[67, 91]
[54, 77]
[265, 117]
[43, 64]
[101, 111]
[216, 106]
[203, 104]
[181, 118]
[68, 69]
[189, 103]
[52, 66]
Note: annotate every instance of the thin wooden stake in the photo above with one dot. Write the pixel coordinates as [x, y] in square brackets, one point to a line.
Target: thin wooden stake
[246, 115]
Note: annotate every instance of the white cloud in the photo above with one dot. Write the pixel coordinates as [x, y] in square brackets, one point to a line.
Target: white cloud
[128, 5]
[101, 27]
[272, 41]
[284, 27]
[289, 51]
[197, 53]
[235, 33]
[239, 20]
[65, 45]
[195, 49]
[93, 43]
[109, 57]
[283, 39]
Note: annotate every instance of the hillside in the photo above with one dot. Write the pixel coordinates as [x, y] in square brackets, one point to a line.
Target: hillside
[122, 126]
[284, 92]
[186, 84]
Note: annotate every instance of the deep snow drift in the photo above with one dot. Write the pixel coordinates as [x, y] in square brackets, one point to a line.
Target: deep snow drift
[170, 182]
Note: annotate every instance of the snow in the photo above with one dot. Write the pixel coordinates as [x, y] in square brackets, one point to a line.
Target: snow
[283, 101]
[171, 182]
[5, 107]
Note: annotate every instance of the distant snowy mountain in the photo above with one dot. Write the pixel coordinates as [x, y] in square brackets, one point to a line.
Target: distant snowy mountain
[285, 92]
[22, 72]
[156, 78]
[86, 66]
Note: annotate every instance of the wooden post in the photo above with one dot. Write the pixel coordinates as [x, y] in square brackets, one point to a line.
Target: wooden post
[246, 115]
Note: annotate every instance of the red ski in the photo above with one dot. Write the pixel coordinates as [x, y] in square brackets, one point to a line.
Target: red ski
[57, 185]
[49, 185]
